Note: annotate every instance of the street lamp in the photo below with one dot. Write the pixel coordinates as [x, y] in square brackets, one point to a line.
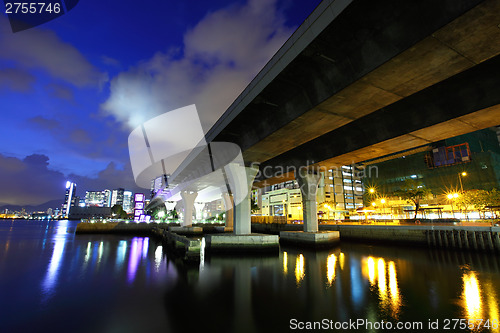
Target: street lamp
[451, 197]
[460, 175]
[382, 201]
[285, 210]
[371, 190]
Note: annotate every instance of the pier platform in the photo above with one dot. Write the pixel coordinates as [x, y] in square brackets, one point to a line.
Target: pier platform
[230, 243]
[318, 239]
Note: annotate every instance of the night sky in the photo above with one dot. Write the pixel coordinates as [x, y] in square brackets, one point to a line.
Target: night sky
[71, 90]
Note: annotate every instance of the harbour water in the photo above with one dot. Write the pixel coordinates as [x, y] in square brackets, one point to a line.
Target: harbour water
[52, 280]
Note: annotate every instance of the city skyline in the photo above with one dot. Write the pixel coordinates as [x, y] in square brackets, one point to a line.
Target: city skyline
[73, 88]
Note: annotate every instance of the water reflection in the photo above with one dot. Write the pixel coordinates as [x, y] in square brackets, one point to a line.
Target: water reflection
[396, 301]
[330, 268]
[55, 261]
[492, 299]
[122, 281]
[479, 299]
[285, 263]
[134, 258]
[472, 296]
[299, 268]
[376, 272]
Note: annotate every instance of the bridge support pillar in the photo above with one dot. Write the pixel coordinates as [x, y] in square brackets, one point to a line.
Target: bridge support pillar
[308, 183]
[228, 205]
[188, 198]
[169, 205]
[199, 210]
[241, 179]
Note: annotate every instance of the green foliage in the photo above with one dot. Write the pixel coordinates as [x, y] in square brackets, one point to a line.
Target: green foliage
[118, 212]
[413, 191]
[480, 199]
[254, 206]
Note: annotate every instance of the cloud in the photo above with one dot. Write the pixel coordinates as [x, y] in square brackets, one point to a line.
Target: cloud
[220, 56]
[80, 136]
[30, 181]
[16, 79]
[111, 177]
[110, 61]
[44, 123]
[60, 91]
[42, 49]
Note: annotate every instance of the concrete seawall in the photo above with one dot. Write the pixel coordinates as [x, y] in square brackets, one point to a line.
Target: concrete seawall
[448, 237]
[118, 228]
[451, 237]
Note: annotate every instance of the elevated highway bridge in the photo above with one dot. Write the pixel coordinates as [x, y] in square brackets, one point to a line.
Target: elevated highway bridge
[360, 79]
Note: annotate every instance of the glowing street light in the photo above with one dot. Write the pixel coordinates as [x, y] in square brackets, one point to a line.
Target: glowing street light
[460, 175]
[371, 190]
[451, 197]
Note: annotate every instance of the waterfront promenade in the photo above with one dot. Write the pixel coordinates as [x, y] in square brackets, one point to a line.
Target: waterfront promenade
[467, 236]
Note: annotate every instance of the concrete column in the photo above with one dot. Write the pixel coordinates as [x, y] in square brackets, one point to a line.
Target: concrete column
[308, 183]
[241, 180]
[199, 210]
[188, 198]
[228, 206]
[169, 205]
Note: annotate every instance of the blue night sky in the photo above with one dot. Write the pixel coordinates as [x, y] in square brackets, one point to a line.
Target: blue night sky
[71, 90]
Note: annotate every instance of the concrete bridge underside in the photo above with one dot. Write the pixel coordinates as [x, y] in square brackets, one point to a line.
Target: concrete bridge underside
[381, 77]
[361, 79]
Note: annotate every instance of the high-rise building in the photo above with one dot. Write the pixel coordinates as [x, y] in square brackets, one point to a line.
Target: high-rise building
[128, 202]
[107, 198]
[69, 199]
[94, 199]
[340, 191]
[117, 197]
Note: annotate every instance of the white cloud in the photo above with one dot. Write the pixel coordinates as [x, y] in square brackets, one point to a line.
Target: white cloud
[42, 49]
[220, 56]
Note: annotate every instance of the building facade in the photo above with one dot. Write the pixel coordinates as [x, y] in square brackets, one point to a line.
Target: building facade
[69, 199]
[340, 192]
[466, 162]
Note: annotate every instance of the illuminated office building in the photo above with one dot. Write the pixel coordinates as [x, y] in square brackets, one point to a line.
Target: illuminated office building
[340, 191]
[117, 197]
[69, 199]
[128, 201]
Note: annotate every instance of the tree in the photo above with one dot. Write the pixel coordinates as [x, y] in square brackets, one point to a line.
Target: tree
[254, 206]
[482, 199]
[118, 212]
[466, 201]
[413, 191]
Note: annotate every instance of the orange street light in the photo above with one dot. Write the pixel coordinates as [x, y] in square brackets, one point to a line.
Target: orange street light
[460, 175]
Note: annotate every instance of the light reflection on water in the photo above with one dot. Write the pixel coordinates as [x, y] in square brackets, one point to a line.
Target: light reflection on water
[299, 268]
[121, 281]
